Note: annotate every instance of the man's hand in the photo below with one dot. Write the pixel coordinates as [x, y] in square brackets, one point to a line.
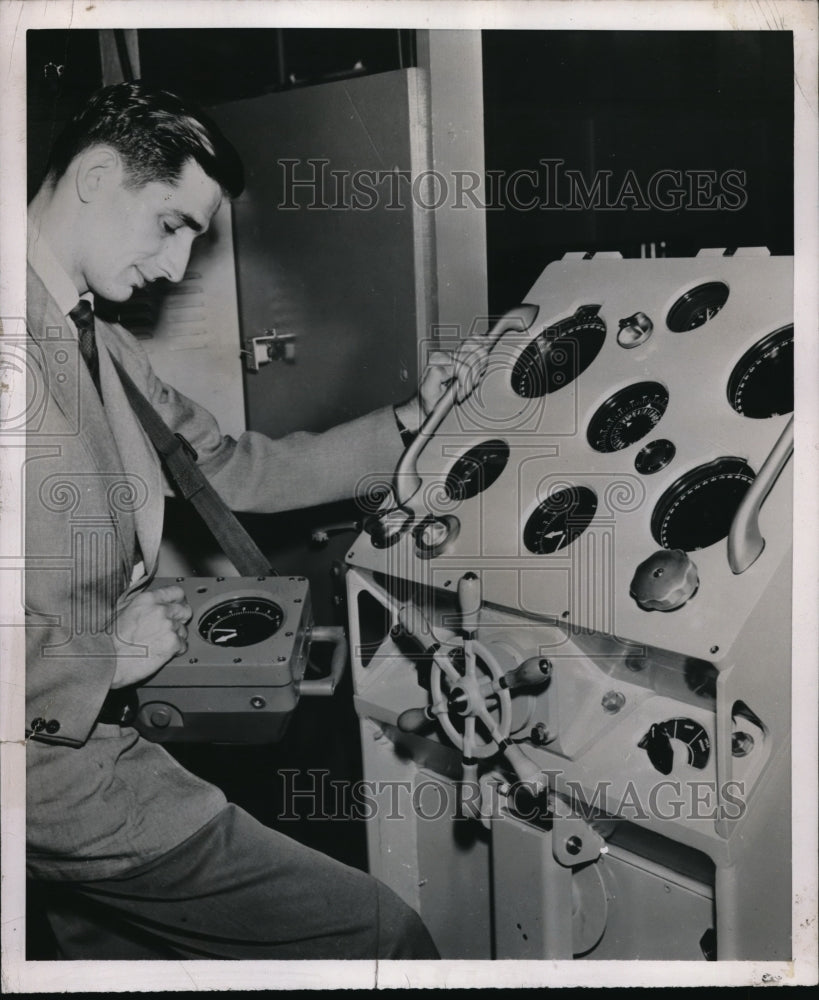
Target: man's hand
[465, 369]
[155, 620]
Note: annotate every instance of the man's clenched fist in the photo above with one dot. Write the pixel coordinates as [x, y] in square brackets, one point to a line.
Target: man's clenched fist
[151, 628]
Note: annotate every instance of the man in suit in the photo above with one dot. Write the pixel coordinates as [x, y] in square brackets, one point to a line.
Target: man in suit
[143, 859]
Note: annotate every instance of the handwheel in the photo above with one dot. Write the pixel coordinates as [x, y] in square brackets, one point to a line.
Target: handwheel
[457, 694]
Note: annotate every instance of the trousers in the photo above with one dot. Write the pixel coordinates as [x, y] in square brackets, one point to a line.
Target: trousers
[235, 890]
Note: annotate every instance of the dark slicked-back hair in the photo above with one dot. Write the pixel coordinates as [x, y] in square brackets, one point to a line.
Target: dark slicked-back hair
[155, 132]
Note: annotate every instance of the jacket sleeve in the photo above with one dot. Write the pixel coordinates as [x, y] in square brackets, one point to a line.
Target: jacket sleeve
[264, 475]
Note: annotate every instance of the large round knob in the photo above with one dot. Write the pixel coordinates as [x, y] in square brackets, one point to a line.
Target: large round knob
[665, 581]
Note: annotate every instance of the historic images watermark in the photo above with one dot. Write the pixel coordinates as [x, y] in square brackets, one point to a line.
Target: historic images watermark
[313, 184]
[314, 795]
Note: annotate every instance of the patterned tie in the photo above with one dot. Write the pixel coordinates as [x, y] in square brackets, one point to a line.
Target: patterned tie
[83, 316]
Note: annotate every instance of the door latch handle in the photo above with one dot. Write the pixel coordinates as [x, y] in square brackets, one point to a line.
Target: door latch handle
[270, 346]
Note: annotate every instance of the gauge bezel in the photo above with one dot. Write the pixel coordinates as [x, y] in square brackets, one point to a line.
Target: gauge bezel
[530, 383]
[695, 479]
[602, 419]
[745, 367]
[645, 462]
[686, 302]
[238, 599]
[493, 444]
[581, 494]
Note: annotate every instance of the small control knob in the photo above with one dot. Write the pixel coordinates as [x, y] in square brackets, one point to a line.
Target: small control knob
[634, 330]
[665, 581]
[161, 717]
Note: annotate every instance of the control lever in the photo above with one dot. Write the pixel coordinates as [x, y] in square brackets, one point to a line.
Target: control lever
[325, 686]
[407, 480]
[745, 541]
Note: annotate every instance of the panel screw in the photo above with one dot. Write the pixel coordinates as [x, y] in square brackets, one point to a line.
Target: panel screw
[613, 701]
[574, 845]
[257, 702]
[741, 744]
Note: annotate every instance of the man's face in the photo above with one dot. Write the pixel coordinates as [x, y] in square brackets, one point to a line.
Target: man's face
[137, 235]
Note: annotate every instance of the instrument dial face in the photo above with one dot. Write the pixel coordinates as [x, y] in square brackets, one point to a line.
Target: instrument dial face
[561, 518]
[241, 621]
[627, 416]
[698, 509]
[761, 384]
[654, 456]
[697, 307]
[657, 743]
[477, 470]
[559, 354]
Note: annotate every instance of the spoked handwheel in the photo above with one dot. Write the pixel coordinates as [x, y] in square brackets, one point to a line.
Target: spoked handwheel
[468, 701]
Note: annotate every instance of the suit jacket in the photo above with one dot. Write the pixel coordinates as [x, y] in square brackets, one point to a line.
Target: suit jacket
[100, 799]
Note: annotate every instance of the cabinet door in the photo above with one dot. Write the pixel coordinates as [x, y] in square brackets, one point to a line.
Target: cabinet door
[331, 250]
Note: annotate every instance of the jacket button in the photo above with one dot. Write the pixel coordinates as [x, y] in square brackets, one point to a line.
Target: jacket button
[38, 725]
[52, 726]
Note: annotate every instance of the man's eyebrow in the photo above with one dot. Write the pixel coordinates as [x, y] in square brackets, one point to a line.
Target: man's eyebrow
[188, 220]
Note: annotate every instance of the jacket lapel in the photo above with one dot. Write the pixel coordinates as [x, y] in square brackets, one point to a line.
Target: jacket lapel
[143, 462]
[70, 387]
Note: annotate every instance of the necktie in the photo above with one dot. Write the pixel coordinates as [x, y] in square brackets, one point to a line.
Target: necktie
[83, 316]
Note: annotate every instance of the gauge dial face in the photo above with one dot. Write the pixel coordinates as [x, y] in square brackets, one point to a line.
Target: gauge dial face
[697, 307]
[699, 508]
[654, 456]
[761, 384]
[657, 743]
[241, 621]
[561, 518]
[559, 354]
[475, 471]
[627, 416]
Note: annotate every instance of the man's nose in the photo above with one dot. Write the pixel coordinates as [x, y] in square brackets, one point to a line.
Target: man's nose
[174, 259]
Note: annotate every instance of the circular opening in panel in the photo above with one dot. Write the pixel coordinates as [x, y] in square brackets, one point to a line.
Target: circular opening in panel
[476, 470]
[761, 384]
[698, 509]
[697, 306]
[559, 354]
[563, 516]
[655, 456]
[627, 416]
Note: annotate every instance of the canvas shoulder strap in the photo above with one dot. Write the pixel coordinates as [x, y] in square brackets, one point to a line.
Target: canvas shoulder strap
[179, 459]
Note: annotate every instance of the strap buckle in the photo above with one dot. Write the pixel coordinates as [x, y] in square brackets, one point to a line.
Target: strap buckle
[187, 447]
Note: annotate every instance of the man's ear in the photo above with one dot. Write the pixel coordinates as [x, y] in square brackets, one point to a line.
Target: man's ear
[98, 167]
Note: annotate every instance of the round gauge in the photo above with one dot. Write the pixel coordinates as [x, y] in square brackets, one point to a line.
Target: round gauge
[475, 471]
[697, 307]
[657, 743]
[559, 354]
[654, 456]
[241, 621]
[561, 518]
[627, 416]
[761, 384]
[698, 509]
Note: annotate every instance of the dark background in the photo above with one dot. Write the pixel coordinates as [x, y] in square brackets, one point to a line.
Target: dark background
[644, 101]
[597, 100]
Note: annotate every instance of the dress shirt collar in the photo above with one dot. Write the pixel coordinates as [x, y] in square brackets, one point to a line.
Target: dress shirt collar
[49, 270]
